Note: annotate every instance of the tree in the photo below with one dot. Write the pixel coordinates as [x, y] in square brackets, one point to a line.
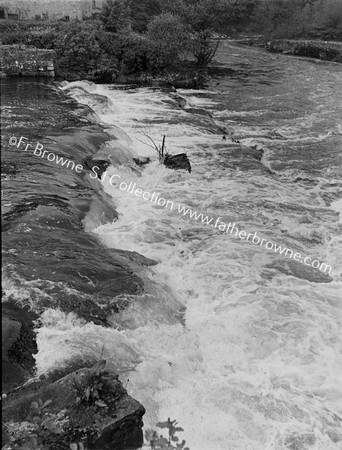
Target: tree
[79, 52]
[78, 47]
[142, 12]
[202, 18]
[300, 18]
[216, 15]
[328, 18]
[116, 16]
[170, 38]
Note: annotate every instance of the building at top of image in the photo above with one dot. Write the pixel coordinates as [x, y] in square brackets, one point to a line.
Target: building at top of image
[49, 9]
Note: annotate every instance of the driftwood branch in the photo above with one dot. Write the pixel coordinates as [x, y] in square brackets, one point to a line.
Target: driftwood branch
[160, 149]
[179, 161]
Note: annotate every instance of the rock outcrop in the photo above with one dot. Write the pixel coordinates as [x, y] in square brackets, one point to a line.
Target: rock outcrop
[18, 345]
[97, 166]
[177, 162]
[142, 161]
[188, 83]
[96, 410]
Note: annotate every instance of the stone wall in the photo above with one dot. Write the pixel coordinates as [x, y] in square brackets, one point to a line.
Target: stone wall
[16, 60]
[49, 9]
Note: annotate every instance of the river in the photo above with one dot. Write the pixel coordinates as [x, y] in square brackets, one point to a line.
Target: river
[241, 345]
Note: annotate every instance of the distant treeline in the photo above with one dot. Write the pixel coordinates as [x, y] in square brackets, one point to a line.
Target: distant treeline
[312, 19]
[276, 18]
[158, 37]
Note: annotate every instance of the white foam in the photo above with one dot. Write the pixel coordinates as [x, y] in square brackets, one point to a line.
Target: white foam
[256, 360]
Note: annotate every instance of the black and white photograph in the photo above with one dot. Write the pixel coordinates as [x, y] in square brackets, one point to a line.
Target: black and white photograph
[171, 209]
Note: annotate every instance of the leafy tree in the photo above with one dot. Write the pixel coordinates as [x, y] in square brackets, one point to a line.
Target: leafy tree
[216, 15]
[116, 16]
[237, 14]
[199, 15]
[202, 17]
[300, 18]
[170, 38]
[328, 18]
[132, 52]
[78, 47]
[79, 52]
[142, 12]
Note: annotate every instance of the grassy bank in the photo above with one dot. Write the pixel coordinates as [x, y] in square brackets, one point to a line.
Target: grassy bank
[326, 50]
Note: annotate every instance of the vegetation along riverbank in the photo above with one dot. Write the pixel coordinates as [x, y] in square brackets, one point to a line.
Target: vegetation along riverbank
[162, 41]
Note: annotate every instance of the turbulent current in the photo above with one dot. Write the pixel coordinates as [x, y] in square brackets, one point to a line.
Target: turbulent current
[239, 344]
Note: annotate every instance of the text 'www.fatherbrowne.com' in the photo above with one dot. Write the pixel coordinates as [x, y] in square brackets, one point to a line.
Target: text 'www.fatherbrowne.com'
[231, 228]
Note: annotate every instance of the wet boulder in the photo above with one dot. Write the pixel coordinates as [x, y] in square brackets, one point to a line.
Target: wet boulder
[178, 162]
[96, 410]
[99, 166]
[18, 345]
[142, 161]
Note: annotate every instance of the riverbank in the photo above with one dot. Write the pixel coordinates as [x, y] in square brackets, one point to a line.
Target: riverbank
[52, 266]
[325, 50]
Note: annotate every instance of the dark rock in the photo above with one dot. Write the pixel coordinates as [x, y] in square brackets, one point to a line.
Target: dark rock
[92, 274]
[142, 161]
[18, 345]
[178, 162]
[181, 102]
[133, 256]
[107, 420]
[187, 83]
[200, 111]
[254, 152]
[8, 169]
[100, 165]
[244, 158]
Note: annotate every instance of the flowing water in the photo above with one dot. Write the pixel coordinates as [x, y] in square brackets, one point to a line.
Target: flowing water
[238, 343]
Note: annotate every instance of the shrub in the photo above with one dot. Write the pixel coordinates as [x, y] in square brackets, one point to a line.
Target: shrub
[26, 25]
[170, 38]
[116, 16]
[204, 47]
[79, 51]
[130, 50]
[141, 13]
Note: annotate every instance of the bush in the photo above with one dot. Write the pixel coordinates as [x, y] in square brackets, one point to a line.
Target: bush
[130, 50]
[78, 51]
[170, 38]
[116, 16]
[46, 40]
[8, 26]
[142, 12]
[204, 47]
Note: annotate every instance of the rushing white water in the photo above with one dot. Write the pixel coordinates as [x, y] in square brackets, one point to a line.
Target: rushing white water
[257, 362]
